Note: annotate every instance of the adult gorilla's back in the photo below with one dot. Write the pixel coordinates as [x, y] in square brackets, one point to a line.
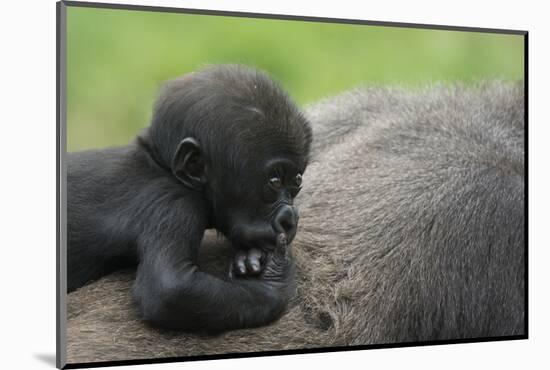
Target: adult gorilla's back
[412, 228]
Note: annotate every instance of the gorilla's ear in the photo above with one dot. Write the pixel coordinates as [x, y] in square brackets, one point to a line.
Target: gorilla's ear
[188, 164]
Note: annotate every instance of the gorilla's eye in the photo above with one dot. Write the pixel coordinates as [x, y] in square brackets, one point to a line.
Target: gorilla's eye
[298, 179]
[275, 182]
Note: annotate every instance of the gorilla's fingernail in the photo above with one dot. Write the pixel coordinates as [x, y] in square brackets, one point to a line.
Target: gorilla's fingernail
[242, 270]
[255, 268]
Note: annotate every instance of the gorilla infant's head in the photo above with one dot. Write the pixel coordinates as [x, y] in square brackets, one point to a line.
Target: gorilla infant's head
[232, 134]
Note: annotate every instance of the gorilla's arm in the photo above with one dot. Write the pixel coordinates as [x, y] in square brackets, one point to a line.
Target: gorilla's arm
[172, 292]
[106, 306]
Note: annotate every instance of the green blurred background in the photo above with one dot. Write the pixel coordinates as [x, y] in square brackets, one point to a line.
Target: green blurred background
[117, 60]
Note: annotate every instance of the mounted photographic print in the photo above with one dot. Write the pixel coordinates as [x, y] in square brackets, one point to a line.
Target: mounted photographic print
[234, 184]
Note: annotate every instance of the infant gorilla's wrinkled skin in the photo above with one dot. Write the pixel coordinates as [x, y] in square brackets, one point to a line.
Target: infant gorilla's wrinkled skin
[226, 149]
[412, 228]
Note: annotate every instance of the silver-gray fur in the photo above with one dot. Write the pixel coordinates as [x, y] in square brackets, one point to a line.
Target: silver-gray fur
[412, 228]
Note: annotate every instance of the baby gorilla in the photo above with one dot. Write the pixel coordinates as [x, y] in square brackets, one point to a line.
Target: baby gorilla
[226, 149]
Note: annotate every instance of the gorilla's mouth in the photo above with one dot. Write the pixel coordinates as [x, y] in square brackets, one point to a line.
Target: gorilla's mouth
[278, 229]
[265, 238]
[249, 236]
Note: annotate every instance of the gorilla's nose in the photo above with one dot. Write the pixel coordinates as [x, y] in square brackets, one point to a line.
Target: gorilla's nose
[286, 221]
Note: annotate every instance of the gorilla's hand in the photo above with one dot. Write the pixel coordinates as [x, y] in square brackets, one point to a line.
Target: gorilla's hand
[248, 262]
[270, 261]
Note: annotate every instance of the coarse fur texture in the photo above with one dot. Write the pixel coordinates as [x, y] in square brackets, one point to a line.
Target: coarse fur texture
[412, 229]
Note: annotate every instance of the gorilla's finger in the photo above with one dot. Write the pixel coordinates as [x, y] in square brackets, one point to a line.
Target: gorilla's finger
[239, 262]
[254, 261]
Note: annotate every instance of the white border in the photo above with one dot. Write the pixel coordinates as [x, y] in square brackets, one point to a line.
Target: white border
[28, 181]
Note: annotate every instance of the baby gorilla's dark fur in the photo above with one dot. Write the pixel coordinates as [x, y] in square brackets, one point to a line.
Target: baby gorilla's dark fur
[225, 149]
[411, 229]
